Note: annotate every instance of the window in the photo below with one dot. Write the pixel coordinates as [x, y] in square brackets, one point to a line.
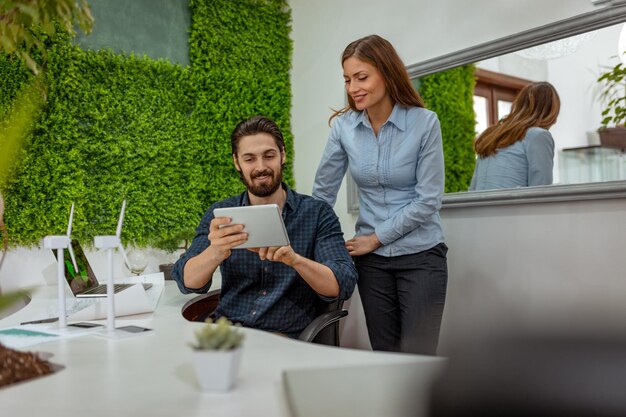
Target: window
[493, 96]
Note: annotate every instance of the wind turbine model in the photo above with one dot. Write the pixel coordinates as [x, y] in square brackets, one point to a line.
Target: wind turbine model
[109, 243]
[59, 243]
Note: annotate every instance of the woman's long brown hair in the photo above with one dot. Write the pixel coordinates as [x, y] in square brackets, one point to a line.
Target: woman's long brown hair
[537, 105]
[381, 54]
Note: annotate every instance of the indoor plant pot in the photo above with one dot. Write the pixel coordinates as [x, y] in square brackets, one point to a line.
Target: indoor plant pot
[217, 355]
[613, 137]
[217, 370]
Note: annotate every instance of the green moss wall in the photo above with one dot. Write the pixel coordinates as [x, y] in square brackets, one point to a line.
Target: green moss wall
[119, 126]
[450, 95]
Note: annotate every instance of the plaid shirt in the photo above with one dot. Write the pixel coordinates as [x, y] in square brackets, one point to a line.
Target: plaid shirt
[271, 295]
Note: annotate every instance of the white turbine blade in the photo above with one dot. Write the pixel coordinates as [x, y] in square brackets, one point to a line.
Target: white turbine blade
[69, 248]
[121, 248]
[118, 233]
[69, 224]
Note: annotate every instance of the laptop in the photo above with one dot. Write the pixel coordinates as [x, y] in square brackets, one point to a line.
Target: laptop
[83, 282]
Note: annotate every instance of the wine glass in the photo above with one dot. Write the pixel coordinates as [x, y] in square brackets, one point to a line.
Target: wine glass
[137, 261]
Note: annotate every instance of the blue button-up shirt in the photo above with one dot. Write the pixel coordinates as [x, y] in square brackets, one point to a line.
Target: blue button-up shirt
[527, 162]
[271, 295]
[400, 175]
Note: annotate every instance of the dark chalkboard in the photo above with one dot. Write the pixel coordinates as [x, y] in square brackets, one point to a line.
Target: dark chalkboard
[156, 28]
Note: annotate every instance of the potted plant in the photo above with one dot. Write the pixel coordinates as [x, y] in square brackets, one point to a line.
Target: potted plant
[217, 354]
[613, 93]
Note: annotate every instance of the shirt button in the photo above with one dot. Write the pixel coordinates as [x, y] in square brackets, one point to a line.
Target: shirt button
[253, 312]
[265, 269]
[264, 292]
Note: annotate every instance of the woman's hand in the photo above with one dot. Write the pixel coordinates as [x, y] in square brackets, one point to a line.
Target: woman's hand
[361, 245]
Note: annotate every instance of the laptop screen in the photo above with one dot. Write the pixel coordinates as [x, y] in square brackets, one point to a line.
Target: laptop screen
[84, 278]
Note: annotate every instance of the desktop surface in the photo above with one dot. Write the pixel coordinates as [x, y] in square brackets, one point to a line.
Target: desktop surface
[154, 376]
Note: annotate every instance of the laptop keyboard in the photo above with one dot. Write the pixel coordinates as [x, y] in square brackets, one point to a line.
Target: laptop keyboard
[102, 289]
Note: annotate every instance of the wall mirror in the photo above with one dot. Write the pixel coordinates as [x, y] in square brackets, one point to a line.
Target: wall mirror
[569, 54]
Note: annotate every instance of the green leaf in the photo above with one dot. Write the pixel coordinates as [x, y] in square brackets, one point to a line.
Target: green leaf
[10, 298]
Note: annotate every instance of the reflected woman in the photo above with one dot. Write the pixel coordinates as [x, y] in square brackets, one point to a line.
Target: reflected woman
[519, 150]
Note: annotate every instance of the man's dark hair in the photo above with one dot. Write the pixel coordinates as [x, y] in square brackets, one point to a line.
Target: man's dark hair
[255, 125]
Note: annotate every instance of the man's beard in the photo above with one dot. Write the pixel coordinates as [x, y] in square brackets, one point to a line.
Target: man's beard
[262, 190]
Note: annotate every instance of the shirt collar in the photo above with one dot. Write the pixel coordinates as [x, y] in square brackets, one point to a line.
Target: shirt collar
[397, 118]
[290, 201]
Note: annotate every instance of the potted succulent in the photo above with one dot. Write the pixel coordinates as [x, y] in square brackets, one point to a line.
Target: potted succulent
[613, 93]
[217, 354]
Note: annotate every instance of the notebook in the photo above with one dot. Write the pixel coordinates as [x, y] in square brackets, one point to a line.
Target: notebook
[83, 282]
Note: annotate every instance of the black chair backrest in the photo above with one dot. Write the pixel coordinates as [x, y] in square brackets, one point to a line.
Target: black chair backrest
[329, 335]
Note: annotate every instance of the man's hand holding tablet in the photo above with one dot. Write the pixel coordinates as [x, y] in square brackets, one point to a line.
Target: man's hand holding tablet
[258, 227]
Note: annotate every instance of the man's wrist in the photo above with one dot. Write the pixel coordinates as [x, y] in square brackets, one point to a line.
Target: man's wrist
[213, 256]
[295, 260]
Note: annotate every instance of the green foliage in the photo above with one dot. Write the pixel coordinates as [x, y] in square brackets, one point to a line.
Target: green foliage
[13, 78]
[114, 128]
[18, 18]
[613, 84]
[221, 335]
[178, 241]
[158, 135]
[240, 56]
[20, 102]
[10, 298]
[450, 95]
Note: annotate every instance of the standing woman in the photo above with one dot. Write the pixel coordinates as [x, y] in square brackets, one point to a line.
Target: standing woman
[392, 147]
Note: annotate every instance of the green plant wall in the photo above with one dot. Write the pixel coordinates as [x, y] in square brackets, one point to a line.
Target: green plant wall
[450, 95]
[13, 78]
[120, 127]
[20, 97]
[240, 59]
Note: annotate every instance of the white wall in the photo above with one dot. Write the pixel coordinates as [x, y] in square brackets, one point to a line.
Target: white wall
[575, 77]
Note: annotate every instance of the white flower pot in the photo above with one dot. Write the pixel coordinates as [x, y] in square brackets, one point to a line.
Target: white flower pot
[217, 370]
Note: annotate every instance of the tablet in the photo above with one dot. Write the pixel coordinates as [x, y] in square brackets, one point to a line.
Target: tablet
[263, 223]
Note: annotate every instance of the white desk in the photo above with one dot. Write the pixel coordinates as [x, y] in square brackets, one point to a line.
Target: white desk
[152, 375]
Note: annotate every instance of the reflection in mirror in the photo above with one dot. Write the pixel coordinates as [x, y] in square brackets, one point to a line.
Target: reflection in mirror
[573, 66]
[574, 69]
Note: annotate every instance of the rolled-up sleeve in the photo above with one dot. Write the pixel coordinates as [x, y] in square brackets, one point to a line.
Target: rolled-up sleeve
[332, 167]
[330, 250]
[198, 245]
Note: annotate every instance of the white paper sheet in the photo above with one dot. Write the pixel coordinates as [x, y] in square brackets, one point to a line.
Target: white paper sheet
[133, 300]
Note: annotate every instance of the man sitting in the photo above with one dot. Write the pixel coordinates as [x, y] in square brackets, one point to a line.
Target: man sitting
[277, 289]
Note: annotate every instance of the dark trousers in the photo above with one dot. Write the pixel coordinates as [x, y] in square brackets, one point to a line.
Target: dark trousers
[403, 298]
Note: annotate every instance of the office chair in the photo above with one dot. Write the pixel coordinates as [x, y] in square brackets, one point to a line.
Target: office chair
[324, 329]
